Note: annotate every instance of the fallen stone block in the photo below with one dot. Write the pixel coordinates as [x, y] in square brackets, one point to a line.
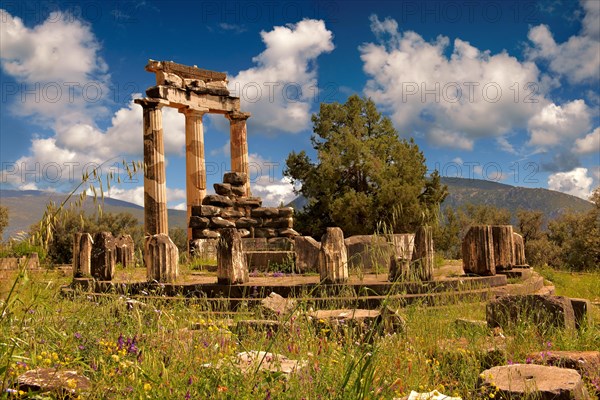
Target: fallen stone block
[63, 383]
[525, 381]
[278, 305]
[510, 310]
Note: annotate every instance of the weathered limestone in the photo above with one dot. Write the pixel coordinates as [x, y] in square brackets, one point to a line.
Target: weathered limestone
[423, 255]
[231, 261]
[307, 254]
[368, 252]
[155, 185]
[403, 245]
[478, 251]
[333, 258]
[103, 256]
[61, 383]
[239, 145]
[542, 310]
[519, 250]
[195, 168]
[194, 92]
[525, 381]
[82, 255]
[125, 250]
[161, 257]
[502, 237]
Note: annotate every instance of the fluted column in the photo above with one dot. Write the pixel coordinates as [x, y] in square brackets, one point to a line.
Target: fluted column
[155, 185]
[239, 145]
[195, 168]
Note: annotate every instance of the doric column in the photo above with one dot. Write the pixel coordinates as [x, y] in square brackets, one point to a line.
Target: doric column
[155, 185]
[239, 144]
[195, 168]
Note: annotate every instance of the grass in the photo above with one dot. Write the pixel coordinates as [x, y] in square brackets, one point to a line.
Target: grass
[574, 284]
[149, 351]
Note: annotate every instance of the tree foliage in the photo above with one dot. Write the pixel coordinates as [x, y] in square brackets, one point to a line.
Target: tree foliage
[70, 222]
[455, 223]
[365, 174]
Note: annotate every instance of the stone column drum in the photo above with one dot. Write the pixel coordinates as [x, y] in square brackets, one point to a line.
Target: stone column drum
[478, 251]
[333, 257]
[423, 256]
[195, 168]
[82, 255]
[161, 257]
[239, 145]
[155, 186]
[232, 267]
[103, 256]
[504, 247]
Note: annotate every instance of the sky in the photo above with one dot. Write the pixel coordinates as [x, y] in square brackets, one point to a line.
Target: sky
[507, 91]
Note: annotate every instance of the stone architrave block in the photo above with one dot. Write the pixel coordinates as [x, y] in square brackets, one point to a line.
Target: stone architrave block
[232, 267]
[161, 257]
[333, 258]
[307, 254]
[82, 255]
[478, 251]
[103, 256]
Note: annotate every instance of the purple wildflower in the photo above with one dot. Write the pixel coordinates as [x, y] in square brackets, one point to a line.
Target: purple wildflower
[77, 335]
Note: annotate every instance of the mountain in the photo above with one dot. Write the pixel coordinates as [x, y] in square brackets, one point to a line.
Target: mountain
[477, 191]
[26, 207]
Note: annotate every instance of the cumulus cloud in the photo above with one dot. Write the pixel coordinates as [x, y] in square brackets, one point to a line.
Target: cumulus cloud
[556, 124]
[590, 144]
[266, 182]
[60, 57]
[575, 182]
[577, 59]
[279, 90]
[451, 100]
[136, 196]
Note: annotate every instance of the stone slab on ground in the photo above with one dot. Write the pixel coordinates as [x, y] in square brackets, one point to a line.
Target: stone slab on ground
[249, 361]
[510, 310]
[587, 363]
[521, 381]
[59, 382]
[386, 319]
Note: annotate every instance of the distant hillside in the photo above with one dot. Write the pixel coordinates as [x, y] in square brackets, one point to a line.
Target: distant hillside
[477, 191]
[26, 207]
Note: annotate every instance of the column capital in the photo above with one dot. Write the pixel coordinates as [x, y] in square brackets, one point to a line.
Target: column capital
[199, 112]
[151, 103]
[237, 116]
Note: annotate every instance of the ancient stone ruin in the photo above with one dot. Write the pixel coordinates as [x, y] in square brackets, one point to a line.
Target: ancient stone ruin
[487, 249]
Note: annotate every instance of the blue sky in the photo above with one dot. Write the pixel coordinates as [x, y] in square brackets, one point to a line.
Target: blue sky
[499, 90]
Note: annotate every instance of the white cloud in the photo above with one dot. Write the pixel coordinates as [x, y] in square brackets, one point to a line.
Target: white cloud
[62, 52]
[590, 144]
[279, 90]
[451, 100]
[505, 145]
[577, 59]
[556, 124]
[273, 191]
[575, 182]
[136, 196]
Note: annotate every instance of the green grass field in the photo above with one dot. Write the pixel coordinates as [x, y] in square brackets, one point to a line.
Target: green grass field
[150, 352]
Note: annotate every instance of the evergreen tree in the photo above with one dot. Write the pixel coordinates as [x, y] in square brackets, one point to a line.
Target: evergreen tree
[365, 174]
